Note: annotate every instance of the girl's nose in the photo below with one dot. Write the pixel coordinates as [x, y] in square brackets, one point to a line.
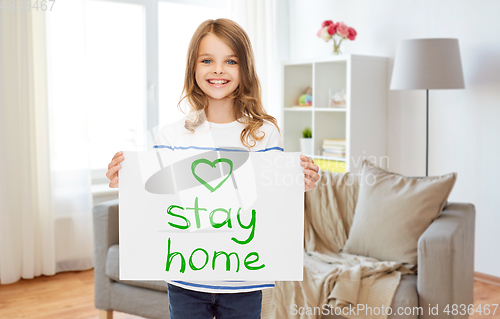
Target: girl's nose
[218, 69]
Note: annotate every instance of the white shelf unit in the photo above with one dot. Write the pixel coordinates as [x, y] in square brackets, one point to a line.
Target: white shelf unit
[362, 123]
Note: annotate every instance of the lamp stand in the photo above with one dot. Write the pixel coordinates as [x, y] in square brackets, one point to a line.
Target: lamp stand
[427, 137]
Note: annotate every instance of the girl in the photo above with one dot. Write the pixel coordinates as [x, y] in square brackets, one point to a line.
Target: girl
[223, 91]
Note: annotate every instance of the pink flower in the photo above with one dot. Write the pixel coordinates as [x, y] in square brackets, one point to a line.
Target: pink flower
[343, 30]
[329, 29]
[352, 34]
[332, 28]
[319, 32]
[326, 23]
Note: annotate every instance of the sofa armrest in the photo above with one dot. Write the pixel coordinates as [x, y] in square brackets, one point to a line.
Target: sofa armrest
[446, 262]
[105, 219]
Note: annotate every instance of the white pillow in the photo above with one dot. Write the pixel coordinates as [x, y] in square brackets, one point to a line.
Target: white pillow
[393, 211]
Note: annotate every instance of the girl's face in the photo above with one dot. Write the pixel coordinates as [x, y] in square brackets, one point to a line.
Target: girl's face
[217, 69]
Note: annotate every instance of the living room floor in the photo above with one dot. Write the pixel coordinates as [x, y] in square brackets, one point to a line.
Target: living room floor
[71, 295]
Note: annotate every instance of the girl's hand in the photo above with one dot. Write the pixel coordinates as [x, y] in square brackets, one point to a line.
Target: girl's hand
[311, 175]
[113, 167]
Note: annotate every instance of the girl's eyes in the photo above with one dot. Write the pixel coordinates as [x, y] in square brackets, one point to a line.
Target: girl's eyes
[203, 61]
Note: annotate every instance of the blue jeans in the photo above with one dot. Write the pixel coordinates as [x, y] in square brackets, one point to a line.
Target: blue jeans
[190, 304]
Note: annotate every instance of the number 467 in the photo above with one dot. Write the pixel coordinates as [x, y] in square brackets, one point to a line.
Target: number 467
[43, 5]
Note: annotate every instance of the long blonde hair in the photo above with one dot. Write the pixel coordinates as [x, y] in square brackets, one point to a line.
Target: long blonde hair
[247, 96]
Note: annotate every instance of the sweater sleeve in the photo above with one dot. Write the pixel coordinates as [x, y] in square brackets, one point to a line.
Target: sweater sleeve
[163, 139]
[275, 142]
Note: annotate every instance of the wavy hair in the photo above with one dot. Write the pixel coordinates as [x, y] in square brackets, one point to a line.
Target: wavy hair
[247, 96]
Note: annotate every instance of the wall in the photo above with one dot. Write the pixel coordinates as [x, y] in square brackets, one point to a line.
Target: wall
[464, 130]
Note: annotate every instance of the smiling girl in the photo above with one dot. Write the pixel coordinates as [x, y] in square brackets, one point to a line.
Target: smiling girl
[223, 91]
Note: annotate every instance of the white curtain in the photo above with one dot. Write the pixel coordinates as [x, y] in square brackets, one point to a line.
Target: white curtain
[259, 18]
[45, 198]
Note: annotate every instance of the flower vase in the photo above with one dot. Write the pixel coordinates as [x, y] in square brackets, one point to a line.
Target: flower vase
[336, 47]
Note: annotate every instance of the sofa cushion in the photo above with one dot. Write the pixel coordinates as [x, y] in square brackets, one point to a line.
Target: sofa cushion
[393, 211]
[113, 272]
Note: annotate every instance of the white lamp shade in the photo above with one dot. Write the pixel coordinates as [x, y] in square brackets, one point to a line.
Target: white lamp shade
[427, 64]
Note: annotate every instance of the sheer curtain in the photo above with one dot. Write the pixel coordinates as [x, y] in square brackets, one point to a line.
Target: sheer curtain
[69, 140]
[259, 19]
[45, 198]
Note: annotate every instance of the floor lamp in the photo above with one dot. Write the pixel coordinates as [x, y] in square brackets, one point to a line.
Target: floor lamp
[427, 64]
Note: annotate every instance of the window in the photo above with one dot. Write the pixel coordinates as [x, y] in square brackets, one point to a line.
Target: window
[120, 64]
[115, 78]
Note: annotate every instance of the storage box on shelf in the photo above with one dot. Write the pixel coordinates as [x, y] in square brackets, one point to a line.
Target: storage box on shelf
[361, 123]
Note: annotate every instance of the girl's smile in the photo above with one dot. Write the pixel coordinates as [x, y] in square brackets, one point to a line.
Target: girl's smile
[218, 83]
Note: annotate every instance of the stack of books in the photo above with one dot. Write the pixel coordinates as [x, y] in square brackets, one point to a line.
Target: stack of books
[334, 147]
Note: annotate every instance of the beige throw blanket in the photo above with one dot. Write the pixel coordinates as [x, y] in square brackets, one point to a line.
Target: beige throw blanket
[334, 282]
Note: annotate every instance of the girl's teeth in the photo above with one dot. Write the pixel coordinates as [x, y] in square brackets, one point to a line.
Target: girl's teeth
[218, 82]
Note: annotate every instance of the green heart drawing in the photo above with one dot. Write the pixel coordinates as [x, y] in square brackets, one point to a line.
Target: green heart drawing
[212, 164]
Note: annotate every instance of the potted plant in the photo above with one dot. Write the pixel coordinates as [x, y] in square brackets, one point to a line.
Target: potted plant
[306, 142]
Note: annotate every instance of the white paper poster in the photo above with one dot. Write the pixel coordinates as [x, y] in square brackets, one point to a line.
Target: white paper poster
[211, 215]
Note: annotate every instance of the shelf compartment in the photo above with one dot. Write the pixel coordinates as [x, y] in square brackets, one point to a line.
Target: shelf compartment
[328, 75]
[328, 125]
[296, 78]
[295, 123]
